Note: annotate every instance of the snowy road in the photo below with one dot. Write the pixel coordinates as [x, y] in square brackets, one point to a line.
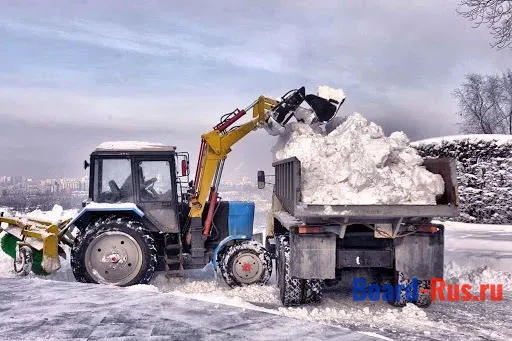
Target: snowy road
[473, 254]
[34, 309]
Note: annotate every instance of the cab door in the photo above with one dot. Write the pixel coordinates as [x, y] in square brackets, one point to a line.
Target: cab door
[156, 192]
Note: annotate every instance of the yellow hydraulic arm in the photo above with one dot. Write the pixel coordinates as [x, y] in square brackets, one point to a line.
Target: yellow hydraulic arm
[215, 146]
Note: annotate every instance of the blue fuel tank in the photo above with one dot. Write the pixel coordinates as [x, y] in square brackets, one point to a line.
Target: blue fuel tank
[241, 218]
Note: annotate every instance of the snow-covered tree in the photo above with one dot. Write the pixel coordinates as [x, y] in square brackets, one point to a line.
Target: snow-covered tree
[484, 175]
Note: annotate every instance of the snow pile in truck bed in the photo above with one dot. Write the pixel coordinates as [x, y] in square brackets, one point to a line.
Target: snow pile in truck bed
[356, 164]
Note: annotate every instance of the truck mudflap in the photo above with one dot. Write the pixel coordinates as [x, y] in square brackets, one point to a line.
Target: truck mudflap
[312, 256]
[421, 255]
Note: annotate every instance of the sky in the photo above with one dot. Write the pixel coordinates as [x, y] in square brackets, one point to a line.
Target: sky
[76, 73]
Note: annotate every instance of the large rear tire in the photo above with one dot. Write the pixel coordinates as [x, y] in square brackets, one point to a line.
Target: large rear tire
[400, 300]
[424, 299]
[290, 289]
[313, 291]
[246, 263]
[114, 250]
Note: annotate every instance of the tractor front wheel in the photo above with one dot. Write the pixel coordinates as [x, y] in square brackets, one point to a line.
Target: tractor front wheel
[114, 250]
[246, 263]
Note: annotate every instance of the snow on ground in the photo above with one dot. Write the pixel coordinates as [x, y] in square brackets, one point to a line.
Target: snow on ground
[473, 254]
[357, 164]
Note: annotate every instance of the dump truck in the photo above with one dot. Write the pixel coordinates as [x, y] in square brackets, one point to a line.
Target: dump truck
[145, 214]
[316, 245]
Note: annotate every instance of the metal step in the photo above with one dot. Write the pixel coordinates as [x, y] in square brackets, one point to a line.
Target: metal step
[172, 261]
[173, 257]
[173, 247]
[174, 273]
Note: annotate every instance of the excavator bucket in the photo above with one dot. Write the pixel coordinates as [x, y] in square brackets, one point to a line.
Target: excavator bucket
[324, 108]
[285, 109]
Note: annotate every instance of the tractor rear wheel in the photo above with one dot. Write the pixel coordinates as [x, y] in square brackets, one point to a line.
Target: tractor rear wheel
[114, 250]
[246, 263]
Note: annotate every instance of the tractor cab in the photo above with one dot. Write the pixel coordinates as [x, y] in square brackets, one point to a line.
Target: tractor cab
[141, 173]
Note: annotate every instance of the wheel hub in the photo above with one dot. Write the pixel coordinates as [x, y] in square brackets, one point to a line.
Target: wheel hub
[114, 258]
[247, 267]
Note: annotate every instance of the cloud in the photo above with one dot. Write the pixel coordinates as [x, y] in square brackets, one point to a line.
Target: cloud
[40, 105]
[173, 68]
[146, 41]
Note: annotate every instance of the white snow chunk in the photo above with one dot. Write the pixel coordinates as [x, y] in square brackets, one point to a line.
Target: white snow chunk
[356, 164]
[56, 215]
[329, 93]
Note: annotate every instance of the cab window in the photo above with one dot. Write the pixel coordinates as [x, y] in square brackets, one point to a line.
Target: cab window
[113, 181]
[155, 181]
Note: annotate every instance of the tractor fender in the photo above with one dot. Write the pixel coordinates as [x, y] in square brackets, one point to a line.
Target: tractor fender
[222, 244]
[91, 211]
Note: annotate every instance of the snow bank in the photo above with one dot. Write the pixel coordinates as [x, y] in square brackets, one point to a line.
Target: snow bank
[455, 273]
[471, 138]
[343, 311]
[356, 163]
[55, 215]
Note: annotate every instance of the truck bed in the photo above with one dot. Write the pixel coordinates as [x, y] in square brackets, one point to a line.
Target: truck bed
[288, 190]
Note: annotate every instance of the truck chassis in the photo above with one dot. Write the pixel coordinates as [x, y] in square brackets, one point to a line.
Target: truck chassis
[317, 244]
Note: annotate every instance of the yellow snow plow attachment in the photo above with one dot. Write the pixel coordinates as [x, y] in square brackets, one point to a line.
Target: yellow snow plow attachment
[34, 244]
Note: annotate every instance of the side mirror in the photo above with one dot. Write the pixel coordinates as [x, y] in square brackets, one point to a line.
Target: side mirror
[184, 167]
[261, 179]
[86, 164]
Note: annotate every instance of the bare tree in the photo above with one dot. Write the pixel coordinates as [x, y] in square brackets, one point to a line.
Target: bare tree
[506, 100]
[496, 14]
[485, 104]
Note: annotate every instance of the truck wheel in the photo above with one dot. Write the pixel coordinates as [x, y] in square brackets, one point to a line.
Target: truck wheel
[114, 250]
[313, 290]
[291, 289]
[401, 300]
[276, 257]
[424, 299]
[23, 261]
[246, 263]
